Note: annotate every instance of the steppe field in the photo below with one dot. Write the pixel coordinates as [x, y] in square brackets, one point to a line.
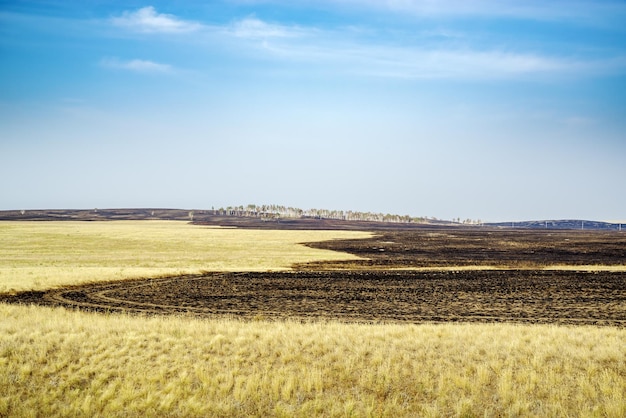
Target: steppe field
[165, 318]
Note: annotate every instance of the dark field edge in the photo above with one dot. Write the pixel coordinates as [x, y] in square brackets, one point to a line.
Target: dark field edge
[582, 290]
[452, 247]
[411, 246]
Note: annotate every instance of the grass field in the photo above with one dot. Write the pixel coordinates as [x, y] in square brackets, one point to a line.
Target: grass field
[41, 255]
[56, 362]
[60, 362]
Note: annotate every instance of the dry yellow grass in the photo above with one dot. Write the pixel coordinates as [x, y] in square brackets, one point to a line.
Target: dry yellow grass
[597, 267]
[41, 255]
[55, 362]
[58, 362]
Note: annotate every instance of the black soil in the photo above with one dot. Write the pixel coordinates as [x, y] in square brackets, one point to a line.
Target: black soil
[373, 290]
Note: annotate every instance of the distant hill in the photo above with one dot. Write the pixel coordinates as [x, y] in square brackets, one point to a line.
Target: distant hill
[289, 219]
[93, 214]
[230, 217]
[561, 224]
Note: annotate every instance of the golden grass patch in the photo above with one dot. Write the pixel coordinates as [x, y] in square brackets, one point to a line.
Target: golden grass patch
[56, 362]
[40, 255]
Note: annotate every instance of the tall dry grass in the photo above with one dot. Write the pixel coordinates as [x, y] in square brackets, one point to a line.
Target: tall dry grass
[55, 362]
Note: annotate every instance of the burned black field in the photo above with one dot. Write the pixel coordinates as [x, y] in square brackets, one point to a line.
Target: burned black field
[470, 296]
[429, 275]
[480, 247]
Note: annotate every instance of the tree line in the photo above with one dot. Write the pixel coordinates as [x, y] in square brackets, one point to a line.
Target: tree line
[279, 211]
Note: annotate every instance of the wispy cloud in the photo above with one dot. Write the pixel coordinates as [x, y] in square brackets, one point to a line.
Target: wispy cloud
[528, 9]
[339, 51]
[147, 20]
[253, 28]
[397, 62]
[136, 65]
[439, 53]
[569, 10]
[572, 10]
[457, 64]
[594, 13]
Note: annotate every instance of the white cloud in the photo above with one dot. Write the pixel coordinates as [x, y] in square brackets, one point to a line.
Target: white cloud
[136, 65]
[572, 10]
[431, 54]
[524, 9]
[253, 28]
[602, 13]
[148, 20]
[482, 64]
[339, 51]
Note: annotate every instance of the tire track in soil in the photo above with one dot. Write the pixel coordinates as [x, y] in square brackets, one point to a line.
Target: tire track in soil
[523, 296]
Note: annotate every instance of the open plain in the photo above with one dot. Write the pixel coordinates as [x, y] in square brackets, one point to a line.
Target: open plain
[422, 322]
[471, 274]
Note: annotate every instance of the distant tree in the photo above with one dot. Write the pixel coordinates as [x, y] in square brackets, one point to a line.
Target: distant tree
[273, 211]
[251, 209]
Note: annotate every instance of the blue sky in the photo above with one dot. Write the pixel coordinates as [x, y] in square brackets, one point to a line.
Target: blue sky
[491, 110]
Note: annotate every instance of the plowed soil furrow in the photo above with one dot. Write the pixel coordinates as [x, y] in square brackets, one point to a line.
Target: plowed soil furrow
[523, 296]
[373, 289]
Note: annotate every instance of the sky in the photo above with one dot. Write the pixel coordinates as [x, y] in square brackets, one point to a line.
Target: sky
[485, 110]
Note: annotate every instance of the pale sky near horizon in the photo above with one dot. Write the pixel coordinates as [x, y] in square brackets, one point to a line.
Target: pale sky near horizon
[493, 110]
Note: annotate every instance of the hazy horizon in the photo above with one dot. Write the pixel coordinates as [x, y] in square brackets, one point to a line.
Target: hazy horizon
[499, 111]
[312, 212]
